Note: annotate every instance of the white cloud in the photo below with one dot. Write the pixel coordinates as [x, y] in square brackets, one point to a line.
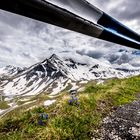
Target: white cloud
[24, 41]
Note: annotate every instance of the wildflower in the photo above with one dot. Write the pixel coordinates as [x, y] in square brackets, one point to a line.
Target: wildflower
[42, 119]
[41, 116]
[46, 116]
[77, 103]
[40, 122]
[70, 102]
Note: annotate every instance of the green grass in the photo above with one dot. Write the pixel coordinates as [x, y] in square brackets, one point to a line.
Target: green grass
[4, 105]
[71, 122]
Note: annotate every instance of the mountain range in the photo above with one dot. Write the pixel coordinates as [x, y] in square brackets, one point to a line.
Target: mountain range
[54, 75]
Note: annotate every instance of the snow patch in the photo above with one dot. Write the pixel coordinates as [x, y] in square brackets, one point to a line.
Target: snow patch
[49, 102]
[100, 82]
[74, 86]
[1, 111]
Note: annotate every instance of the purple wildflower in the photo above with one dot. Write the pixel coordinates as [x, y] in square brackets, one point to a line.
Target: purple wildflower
[70, 102]
[40, 122]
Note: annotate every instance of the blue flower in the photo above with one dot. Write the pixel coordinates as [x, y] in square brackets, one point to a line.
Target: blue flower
[42, 119]
[70, 101]
[46, 116]
[43, 116]
[40, 122]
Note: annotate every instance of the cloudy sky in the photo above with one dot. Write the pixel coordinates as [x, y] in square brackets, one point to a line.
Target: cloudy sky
[24, 42]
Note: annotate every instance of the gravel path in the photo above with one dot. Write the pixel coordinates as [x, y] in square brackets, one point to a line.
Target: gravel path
[123, 124]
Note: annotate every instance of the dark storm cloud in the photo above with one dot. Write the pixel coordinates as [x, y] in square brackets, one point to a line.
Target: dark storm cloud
[91, 53]
[119, 58]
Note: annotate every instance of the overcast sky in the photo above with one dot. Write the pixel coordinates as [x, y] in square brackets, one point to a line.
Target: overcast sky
[24, 41]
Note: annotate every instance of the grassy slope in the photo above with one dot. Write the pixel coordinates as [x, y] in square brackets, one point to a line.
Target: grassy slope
[3, 105]
[71, 122]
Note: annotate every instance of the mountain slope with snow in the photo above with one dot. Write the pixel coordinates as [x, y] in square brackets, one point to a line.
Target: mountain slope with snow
[54, 75]
[10, 71]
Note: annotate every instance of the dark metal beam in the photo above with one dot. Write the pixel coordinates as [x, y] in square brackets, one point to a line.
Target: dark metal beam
[106, 27]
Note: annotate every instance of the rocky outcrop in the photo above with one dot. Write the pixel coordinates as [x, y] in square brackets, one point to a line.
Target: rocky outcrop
[123, 124]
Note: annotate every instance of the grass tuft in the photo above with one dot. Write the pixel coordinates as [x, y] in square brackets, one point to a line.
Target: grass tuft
[4, 105]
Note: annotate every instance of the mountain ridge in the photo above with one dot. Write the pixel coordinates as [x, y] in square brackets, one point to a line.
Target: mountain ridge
[55, 74]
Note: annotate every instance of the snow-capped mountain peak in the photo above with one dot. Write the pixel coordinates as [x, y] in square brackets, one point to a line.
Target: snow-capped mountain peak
[54, 74]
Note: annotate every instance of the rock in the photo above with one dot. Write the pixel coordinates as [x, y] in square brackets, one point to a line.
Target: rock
[123, 124]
